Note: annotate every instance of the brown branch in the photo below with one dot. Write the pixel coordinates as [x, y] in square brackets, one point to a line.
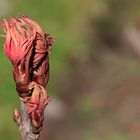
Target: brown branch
[24, 124]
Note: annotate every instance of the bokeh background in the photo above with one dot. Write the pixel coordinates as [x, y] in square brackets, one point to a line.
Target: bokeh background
[94, 69]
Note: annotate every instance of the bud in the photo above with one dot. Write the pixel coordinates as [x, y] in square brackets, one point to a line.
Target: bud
[28, 47]
[16, 116]
[36, 104]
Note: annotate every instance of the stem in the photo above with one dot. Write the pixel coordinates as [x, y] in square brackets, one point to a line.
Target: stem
[25, 126]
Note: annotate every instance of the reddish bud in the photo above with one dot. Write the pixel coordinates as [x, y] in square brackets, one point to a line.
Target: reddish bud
[37, 103]
[28, 47]
[16, 116]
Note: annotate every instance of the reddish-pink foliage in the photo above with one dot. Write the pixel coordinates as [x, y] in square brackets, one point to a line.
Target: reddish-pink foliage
[28, 47]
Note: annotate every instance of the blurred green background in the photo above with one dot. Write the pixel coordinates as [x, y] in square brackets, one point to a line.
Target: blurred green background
[94, 69]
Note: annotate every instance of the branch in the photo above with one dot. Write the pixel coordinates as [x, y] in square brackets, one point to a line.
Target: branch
[24, 123]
